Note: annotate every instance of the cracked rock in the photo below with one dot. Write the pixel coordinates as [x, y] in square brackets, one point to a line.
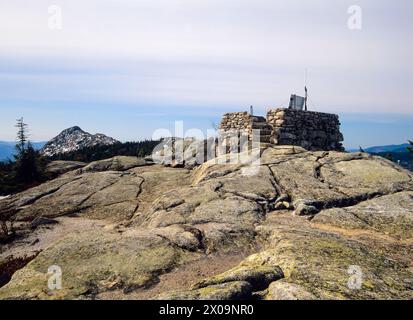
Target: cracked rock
[359, 210]
[303, 208]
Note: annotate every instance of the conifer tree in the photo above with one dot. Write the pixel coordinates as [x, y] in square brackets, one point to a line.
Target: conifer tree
[22, 136]
[410, 148]
[28, 167]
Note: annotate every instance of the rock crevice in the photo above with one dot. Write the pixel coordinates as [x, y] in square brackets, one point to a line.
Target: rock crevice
[153, 219]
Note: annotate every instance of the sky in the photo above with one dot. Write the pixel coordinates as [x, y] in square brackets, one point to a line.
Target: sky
[127, 68]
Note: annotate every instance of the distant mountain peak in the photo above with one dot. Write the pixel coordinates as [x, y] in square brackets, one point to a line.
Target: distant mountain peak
[73, 139]
[72, 129]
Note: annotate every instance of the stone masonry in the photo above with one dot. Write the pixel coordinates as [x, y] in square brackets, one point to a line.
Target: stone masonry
[308, 129]
[244, 123]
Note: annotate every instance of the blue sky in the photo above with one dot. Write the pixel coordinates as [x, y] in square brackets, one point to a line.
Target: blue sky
[126, 68]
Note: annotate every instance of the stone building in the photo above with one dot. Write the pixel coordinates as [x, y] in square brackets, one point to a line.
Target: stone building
[308, 129]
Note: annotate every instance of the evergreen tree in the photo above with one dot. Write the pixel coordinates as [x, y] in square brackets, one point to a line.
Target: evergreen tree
[410, 148]
[100, 152]
[28, 166]
[141, 153]
[22, 136]
[390, 157]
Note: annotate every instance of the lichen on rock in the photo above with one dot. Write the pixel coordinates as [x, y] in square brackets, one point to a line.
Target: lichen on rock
[351, 210]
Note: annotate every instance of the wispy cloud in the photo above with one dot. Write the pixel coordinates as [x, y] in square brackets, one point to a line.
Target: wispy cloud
[205, 54]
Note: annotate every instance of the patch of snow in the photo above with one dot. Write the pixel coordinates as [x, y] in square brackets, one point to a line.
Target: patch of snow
[74, 139]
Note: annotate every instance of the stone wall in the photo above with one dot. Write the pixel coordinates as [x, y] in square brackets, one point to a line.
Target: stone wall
[308, 129]
[236, 121]
[243, 123]
[235, 124]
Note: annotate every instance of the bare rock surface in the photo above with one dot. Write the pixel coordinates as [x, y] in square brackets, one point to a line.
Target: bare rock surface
[306, 219]
[119, 163]
[390, 214]
[60, 167]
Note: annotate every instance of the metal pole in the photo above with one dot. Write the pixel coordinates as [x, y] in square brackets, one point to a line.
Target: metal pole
[306, 90]
[306, 97]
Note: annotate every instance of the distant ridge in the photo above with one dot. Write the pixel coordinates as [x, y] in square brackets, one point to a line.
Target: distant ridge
[380, 149]
[73, 139]
[7, 149]
[389, 148]
[398, 153]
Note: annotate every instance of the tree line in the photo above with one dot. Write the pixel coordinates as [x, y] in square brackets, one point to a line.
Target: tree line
[100, 152]
[28, 167]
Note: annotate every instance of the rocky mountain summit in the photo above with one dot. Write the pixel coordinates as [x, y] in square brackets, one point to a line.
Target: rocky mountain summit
[298, 225]
[74, 139]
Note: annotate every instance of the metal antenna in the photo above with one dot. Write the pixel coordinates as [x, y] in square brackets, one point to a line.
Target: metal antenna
[306, 90]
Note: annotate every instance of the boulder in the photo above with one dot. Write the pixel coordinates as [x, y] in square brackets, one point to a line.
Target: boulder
[56, 168]
[119, 163]
[259, 278]
[237, 290]
[282, 290]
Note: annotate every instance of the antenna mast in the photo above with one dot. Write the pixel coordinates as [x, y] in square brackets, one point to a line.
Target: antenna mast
[306, 90]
